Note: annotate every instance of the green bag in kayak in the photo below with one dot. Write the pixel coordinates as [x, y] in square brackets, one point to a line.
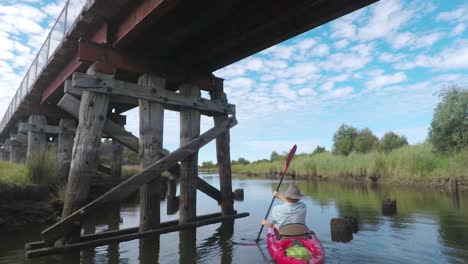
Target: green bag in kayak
[298, 252]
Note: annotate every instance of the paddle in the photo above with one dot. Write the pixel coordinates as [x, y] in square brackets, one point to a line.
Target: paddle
[288, 160]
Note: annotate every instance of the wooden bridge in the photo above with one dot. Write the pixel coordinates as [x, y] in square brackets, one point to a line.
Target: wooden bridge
[104, 57]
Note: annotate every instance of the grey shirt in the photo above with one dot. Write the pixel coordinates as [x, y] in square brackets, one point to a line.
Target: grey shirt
[289, 213]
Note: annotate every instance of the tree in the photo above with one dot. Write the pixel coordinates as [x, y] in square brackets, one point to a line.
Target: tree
[208, 165]
[343, 139]
[318, 150]
[365, 141]
[449, 126]
[274, 156]
[242, 161]
[391, 141]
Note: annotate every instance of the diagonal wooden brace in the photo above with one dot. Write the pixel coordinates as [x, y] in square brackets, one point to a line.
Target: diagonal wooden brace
[132, 184]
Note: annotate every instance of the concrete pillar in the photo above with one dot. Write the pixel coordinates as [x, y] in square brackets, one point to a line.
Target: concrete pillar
[36, 140]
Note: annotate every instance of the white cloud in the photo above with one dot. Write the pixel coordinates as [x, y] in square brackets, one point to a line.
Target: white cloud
[391, 57]
[455, 57]
[341, 44]
[353, 59]
[387, 17]
[458, 30]
[341, 93]
[380, 80]
[459, 14]
[414, 41]
[320, 51]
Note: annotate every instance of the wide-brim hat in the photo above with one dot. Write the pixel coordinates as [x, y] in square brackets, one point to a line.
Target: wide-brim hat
[293, 192]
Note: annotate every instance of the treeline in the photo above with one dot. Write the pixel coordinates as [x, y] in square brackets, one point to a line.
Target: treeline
[359, 153]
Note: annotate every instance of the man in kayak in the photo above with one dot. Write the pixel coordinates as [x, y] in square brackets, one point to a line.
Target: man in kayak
[292, 211]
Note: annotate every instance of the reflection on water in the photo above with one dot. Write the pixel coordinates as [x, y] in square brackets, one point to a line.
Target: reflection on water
[430, 227]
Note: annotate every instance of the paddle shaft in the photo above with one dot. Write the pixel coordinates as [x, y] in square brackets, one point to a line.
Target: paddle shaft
[271, 204]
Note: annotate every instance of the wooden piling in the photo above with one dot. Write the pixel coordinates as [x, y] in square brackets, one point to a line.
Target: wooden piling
[151, 141]
[389, 207]
[36, 139]
[15, 152]
[189, 129]
[223, 153]
[84, 163]
[117, 160]
[65, 145]
[341, 230]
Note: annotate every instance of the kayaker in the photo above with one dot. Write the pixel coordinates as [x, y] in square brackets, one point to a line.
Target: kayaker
[292, 211]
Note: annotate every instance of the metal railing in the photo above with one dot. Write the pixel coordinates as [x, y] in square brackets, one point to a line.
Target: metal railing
[56, 35]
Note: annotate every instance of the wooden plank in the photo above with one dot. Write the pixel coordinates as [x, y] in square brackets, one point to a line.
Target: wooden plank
[20, 138]
[36, 140]
[223, 155]
[82, 82]
[49, 129]
[209, 190]
[66, 139]
[127, 237]
[151, 142]
[133, 183]
[104, 169]
[189, 129]
[112, 233]
[84, 163]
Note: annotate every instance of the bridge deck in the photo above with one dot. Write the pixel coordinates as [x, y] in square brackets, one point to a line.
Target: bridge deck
[175, 38]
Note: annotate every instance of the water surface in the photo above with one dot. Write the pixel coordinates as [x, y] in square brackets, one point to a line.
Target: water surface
[430, 227]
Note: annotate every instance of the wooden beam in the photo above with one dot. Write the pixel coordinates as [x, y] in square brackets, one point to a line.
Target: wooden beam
[38, 128]
[189, 129]
[84, 164]
[209, 190]
[127, 237]
[82, 82]
[72, 106]
[36, 140]
[66, 139]
[151, 142]
[223, 155]
[133, 183]
[20, 138]
[113, 233]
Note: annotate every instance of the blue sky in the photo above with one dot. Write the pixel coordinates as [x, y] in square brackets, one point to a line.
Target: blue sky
[379, 67]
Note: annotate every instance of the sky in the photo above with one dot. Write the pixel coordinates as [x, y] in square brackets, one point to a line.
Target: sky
[380, 68]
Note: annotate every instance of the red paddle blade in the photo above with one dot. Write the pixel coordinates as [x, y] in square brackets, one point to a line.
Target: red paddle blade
[290, 157]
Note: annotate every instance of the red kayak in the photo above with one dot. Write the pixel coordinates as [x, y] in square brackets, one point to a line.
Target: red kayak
[278, 244]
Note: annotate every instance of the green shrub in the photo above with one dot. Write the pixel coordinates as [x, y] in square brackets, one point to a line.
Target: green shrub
[14, 174]
[43, 167]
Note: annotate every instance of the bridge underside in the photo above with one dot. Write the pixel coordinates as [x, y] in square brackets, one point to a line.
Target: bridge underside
[180, 40]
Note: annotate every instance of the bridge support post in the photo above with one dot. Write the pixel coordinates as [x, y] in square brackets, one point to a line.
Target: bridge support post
[223, 154]
[84, 163]
[6, 149]
[65, 145]
[189, 129]
[150, 150]
[15, 152]
[117, 160]
[36, 140]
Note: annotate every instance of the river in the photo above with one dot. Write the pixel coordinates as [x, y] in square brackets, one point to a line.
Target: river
[430, 227]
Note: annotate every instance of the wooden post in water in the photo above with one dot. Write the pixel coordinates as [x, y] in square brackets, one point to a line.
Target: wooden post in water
[36, 140]
[117, 160]
[65, 145]
[223, 154]
[84, 163]
[151, 141]
[189, 129]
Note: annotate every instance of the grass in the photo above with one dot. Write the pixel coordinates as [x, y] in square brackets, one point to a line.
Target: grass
[409, 164]
[43, 167]
[14, 174]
